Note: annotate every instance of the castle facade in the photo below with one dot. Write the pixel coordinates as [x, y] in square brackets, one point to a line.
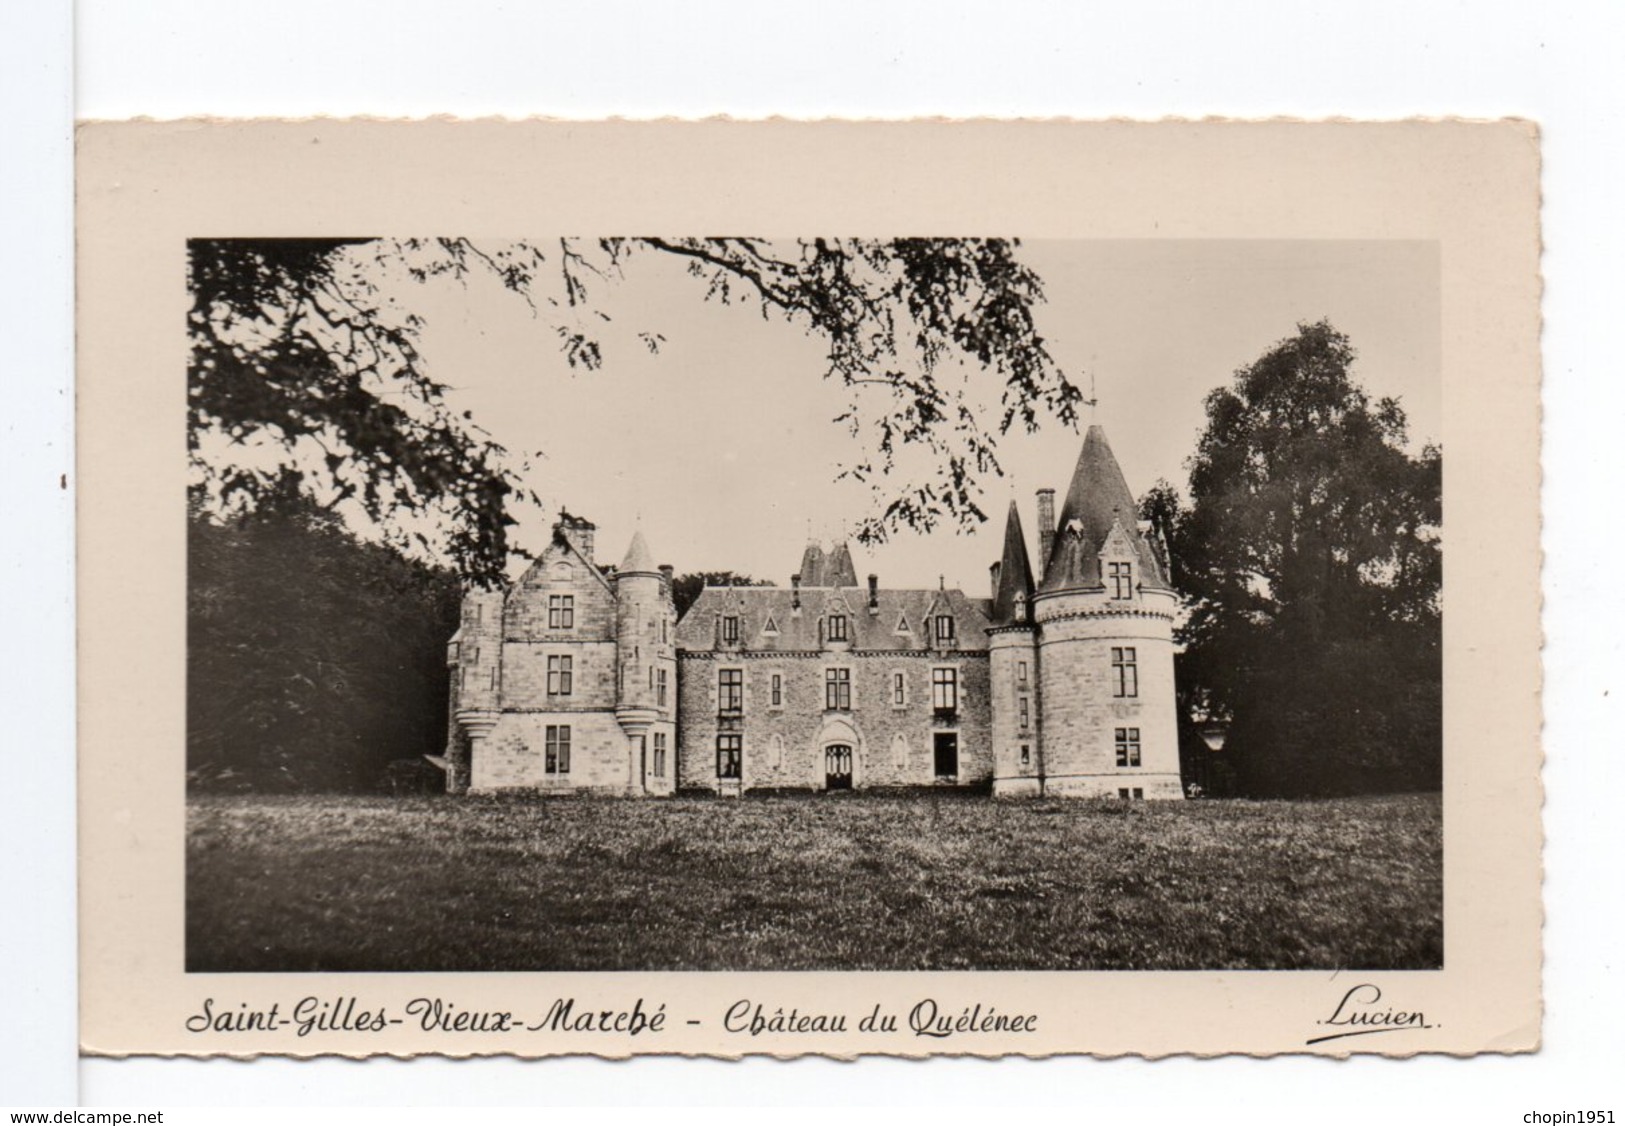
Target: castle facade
[577, 678]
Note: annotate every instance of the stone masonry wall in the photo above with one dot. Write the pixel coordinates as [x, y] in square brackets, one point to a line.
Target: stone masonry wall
[1080, 714]
[783, 746]
[513, 756]
[1014, 678]
[592, 674]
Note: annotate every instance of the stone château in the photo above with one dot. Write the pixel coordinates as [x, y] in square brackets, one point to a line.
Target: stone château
[578, 678]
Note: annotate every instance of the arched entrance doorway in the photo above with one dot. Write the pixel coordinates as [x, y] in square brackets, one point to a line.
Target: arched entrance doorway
[838, 767]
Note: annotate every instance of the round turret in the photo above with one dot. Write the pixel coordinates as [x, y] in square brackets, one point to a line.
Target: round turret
[1105, 615]
[646, 669]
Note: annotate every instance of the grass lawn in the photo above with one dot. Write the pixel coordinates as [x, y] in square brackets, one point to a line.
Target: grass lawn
[845, 882]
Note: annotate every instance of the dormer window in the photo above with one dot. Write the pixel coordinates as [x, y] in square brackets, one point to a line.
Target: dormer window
[771, 627]
[1120, 576]
[730, 629]
[837, 627]
[944, 628]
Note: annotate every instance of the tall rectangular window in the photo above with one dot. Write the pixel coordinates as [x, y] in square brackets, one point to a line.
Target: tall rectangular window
[660, 688]
[560, 676]
[777, 691]
[730, 629]
[837, 627]
[557, 746]
[899, 695]
[729, 752]
[660, 754]
[945, 690]
[945, 627]
[1026, 713]
[1128, 746]
[838, 689]
[730, 691]
[1021, 672]
[561, 611]
[1125, 672]
[1121, 576]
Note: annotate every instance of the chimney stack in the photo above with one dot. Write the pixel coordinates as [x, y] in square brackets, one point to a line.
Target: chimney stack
[666, 570]
[1046, 527]
[578, 532]
[874, 594]
[795, 586]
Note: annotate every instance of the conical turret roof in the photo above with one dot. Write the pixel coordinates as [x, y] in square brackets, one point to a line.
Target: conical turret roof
[838, 569]
[1098, 495]
[638, 559]
[812, 565]
[1097, 498]
[1074, 562]
[1015, 573]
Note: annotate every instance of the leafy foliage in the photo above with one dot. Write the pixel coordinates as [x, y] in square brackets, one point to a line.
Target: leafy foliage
[313, 660]
[306, 375]
[1310, 559]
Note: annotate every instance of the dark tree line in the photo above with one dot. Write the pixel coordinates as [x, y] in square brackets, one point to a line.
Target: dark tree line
[1309, 558]
[313, 659]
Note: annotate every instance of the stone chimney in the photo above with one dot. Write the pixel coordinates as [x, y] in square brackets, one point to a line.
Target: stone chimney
[795, 587]
[666, 570]
[874, 594]
[578, 532]
[1046, 527]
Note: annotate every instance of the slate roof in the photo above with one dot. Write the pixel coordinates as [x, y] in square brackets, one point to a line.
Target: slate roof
[838, 569]
[812, 565]
[834, 568]
[1015, 575]
[759, 606]
[1097, 498]
[638, 559]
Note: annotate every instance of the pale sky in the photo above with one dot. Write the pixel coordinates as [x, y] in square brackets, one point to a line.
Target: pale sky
[722, 447]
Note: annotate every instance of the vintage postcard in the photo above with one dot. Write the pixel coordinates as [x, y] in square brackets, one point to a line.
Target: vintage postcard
[719, 588]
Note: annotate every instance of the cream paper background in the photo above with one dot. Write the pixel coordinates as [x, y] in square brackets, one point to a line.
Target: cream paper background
[145, 187]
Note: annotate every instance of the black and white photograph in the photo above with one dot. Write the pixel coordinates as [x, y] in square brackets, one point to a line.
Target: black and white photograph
[1048, 557]
[678, 603]
[1021, 630]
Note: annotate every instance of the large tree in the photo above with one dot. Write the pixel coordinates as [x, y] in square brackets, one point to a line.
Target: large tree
[314, 659]
[1310, 558]
[306, 373]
